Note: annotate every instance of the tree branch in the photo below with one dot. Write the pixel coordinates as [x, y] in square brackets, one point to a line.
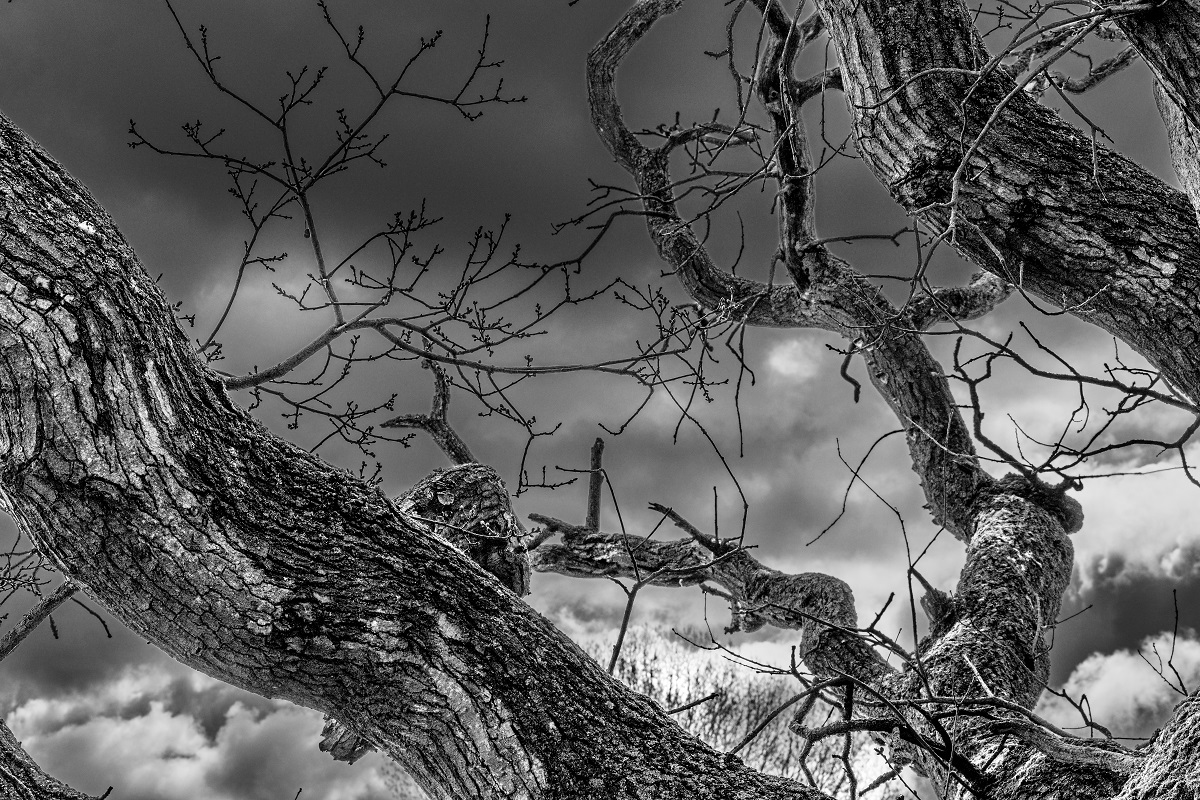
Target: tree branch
[830, 295]
[435, 422]
[1018, 557]
[1094, 233]
[820, 606]
[254, 561]
[35, 616]
[595, 486]
[960, 303]
[1184, 140]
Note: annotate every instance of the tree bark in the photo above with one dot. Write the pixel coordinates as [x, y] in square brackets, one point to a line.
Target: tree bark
[1031, 205]
[21, 777]
[1171, 769]
[1168, 39]
[1038, 203]
[255, 562]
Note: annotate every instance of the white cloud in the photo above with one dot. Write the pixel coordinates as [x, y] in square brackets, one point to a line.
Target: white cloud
[1122, 689]
[796, 360]
[136, 734]
[1138, 525]
[132, 685]
[740, 698]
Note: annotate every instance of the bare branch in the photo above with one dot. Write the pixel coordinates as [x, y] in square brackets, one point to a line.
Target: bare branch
[595, 485]
[977, 299]
[435, 422]
[44, 608]
[820, 606]
[1079, 753]
[839, 298]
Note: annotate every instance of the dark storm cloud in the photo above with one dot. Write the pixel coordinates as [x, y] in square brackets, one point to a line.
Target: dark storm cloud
[210, 705]
[1122, 609]
[81, 658]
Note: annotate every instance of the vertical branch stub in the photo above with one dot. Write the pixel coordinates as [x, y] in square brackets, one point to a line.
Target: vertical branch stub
[595, 484]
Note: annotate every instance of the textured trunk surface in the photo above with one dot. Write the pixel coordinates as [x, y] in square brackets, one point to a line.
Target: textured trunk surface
[257, 563]
[1081, 227]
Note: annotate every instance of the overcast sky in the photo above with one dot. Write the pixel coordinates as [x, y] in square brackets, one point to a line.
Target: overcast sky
[100, 712]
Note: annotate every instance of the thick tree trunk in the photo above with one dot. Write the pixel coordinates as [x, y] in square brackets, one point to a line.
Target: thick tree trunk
[257, 563]
[1099, 237]
[1040, 205]
[1037, 203]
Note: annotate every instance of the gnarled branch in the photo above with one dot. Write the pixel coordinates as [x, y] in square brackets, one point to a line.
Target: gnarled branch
[254, 561]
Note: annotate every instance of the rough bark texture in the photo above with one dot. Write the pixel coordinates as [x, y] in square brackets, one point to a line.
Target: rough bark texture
[257, 563]
[20, 777]
[1168, 39]
[1185, 146]
[1171, 770]
[1081, 227]
[1099, 237]
[819, 606]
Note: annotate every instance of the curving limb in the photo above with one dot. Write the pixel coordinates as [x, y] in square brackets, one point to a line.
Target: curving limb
[990, 636]
[254, 561]
[1035, 202]
[826, 292]
[819, 606]
[435, 422]
[248, 558]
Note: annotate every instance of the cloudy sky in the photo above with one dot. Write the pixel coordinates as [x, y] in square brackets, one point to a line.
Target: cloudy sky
[99, 712]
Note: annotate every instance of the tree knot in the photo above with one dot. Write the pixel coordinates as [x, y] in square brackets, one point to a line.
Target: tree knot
[1052, 499]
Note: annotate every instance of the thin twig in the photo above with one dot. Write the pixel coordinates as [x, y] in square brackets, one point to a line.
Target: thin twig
[34, 617]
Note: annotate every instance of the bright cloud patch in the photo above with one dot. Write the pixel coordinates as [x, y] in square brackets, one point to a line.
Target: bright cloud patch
[1138, 525]
[1123, 691]
[795, 359]
[154, 734]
